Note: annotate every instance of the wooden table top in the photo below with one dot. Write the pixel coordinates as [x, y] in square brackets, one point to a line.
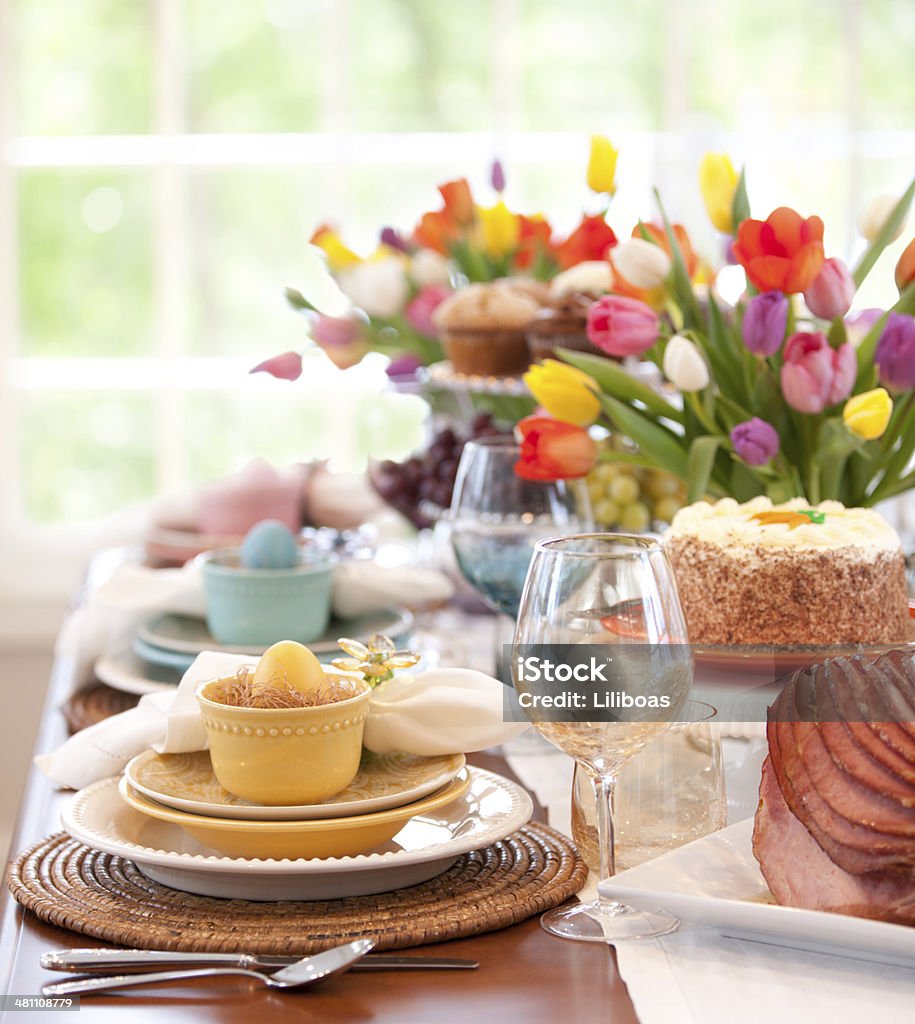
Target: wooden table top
[525, 975]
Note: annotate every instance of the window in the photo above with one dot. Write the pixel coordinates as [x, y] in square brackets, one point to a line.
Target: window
[164, 162]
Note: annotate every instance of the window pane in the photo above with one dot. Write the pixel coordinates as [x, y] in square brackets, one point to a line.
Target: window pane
[84, 455]
[887, 43]
[249, 228]
[762, 66]
[85, 263]
[416, 65]
[591, 66]
[83, 68]
[255, 66]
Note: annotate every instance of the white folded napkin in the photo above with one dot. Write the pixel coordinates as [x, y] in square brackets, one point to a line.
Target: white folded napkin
[135, 592]
[445, 711]
[442, 711]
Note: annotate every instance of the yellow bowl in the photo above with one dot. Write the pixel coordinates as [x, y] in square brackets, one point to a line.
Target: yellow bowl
[281, 840]
[285, 756]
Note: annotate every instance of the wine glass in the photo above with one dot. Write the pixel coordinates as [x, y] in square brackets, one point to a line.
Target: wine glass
[496, 517]
[602, 600]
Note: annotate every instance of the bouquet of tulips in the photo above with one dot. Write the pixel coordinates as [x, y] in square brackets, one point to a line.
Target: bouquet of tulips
[389, 296]
[783, 394]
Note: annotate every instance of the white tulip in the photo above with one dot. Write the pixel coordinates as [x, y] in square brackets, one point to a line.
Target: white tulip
[429, 267]
[643, 264]
[591, 276]
[684, 366]
[875, 213]
[378, 287]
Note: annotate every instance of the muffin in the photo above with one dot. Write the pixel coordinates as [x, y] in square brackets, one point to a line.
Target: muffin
[533, 288]
[562, 324]
[482, 329]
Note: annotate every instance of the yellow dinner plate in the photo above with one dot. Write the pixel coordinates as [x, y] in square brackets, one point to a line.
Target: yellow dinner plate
[186, 782]
[325, 837]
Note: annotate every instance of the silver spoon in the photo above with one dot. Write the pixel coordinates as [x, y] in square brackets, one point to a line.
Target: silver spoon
[310, 971]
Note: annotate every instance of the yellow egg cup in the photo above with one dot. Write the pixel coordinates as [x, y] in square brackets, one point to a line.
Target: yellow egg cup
[327, 837]
[284, 756]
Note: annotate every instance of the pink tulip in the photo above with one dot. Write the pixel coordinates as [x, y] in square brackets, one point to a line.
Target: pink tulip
[814, 375]
[419, 311]
[287, 366]
[831, 293]
[621, 326]
[335, 331]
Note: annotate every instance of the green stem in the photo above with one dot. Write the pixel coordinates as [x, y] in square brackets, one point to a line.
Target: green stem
[710, 425]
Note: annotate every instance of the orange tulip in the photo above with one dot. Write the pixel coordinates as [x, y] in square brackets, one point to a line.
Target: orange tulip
[458, 201]
[591, 240]
[905, 268]
[553, 450]
[533, 239]
[782, 253]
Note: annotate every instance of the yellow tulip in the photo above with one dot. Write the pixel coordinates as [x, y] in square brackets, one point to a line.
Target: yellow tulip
[338, 255]
[501, 229]
[566, 393]
[602, 165]
[868, 414]
[718, 183]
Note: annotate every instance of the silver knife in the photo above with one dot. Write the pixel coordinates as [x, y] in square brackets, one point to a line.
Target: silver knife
[88, 961]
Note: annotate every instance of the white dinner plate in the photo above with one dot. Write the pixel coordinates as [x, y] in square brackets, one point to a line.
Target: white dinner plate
[125, 670]
[716, 881]
[492, 808]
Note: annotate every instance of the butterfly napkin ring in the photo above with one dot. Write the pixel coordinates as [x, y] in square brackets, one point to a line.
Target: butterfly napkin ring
[376, 661]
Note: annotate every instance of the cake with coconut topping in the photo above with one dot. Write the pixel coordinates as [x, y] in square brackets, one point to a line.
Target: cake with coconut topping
[794, 573]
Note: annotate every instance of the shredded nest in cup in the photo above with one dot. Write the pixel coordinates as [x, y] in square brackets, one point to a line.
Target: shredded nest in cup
[243, 692]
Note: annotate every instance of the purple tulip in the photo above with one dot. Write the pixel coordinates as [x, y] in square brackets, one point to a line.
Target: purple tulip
[497, 176]
[832, 290]
[755, 441]
[403, 366]
[814, 375]
[764, 323]
[287, 366]
[393, 240]
[895, 355]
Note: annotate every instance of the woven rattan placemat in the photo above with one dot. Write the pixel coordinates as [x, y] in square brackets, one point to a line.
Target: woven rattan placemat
[72, 886]
[90, 706]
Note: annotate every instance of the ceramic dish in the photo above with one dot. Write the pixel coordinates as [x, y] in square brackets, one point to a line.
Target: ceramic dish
[127, 671]
[183, 634]
[492, 808]
[186, 782]
[318, 837]
[716, 881]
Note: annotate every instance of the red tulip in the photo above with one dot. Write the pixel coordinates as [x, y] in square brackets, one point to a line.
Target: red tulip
[534, 234]
[591, 240]
[553, 450]
[905, 268]
[287, 366]
[782, 253]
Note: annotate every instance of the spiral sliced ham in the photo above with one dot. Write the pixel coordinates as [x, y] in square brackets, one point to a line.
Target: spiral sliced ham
[835, 828]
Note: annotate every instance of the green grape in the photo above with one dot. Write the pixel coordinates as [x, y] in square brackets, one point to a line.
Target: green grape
[667, 508]
[596, 490]
[662, 485]
[635, 517]
[606, 512]
[624, 489]
[606, 471]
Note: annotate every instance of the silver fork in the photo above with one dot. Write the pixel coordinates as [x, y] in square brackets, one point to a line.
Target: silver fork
[310, 971]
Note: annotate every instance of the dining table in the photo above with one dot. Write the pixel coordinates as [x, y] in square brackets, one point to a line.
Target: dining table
[524, 974]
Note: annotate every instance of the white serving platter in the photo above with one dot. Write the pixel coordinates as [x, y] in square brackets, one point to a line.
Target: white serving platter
[492, 808]
[716, 881]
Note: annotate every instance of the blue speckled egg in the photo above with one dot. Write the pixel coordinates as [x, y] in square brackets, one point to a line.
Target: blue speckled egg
[269, 544]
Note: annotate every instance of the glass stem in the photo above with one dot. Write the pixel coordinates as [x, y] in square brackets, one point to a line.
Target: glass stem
[603, 786]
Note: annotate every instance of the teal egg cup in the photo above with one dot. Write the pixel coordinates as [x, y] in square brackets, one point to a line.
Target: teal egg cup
[263, 606]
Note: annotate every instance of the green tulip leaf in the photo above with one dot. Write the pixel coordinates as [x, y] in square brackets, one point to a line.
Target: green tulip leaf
[656, 441]
[700, 463]
[740, 204]
[615, 381]
[873, 252]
